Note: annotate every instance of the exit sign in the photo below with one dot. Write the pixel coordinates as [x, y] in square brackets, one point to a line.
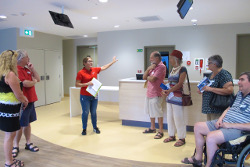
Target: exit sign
[139, 50]
[26, 33]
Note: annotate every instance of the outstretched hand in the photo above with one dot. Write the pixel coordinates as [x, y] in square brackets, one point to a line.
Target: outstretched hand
[114, 59]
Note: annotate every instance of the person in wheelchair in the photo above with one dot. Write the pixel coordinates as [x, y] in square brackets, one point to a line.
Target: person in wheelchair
[229, 126]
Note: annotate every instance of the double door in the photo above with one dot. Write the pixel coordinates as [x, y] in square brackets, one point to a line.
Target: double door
[48, 65]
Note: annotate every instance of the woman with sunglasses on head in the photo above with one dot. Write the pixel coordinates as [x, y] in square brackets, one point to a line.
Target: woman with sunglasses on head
[11, 98]
[89, 102]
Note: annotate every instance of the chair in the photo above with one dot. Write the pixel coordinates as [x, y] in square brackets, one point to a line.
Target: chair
[232, 152]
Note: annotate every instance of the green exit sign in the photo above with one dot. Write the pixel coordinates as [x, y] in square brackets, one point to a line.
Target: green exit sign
[139, 50]
[28, 33]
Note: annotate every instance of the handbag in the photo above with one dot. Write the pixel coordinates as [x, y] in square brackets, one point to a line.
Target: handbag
[221, 101]
[186, 98]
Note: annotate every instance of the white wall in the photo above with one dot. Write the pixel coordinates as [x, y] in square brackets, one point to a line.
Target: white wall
[40, 41]
[8, 39]
[201, 41]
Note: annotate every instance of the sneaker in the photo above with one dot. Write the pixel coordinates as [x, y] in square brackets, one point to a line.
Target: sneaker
[96, 130]
[84, 132]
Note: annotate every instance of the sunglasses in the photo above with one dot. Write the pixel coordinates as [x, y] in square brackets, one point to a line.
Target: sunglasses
[11, 52]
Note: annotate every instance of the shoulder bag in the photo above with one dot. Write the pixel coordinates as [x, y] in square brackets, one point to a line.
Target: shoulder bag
[186, 98]
[221, 101]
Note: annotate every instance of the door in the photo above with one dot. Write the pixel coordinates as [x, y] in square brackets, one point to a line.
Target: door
[150, 49]
[48, 64]
[243, 56]
[37, 59]
[52, 76]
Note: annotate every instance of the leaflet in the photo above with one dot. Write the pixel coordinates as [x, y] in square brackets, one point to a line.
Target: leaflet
[204, 82]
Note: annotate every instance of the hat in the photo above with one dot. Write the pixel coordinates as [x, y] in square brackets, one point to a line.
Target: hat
[177, 53]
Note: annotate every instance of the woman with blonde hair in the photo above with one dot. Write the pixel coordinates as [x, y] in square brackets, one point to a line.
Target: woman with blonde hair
[11, 98]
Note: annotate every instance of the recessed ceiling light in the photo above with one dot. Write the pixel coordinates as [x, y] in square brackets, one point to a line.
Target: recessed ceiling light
[103, 1]
[117, 26]
[94, 17]
[85, 36]
[191, 8]
[194, 20]
[3, 17]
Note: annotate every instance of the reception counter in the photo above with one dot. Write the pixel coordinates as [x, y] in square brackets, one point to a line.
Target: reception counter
[131, 104]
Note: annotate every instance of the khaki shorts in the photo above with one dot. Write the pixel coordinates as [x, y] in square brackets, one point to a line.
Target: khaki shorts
[153, 107]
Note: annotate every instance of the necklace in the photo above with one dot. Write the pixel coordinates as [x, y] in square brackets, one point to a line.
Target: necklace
[175, 69]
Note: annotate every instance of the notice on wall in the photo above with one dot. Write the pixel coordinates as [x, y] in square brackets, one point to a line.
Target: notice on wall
[186, 56]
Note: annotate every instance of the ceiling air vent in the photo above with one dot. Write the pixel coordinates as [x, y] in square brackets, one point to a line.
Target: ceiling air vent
[149, 18]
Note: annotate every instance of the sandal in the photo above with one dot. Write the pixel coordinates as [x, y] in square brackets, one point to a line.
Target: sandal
[32, 149]
[169, 139]
[16, 162]
[149, 130]
[15, 153]
[180, 142]
[195, 161]
[159, 135]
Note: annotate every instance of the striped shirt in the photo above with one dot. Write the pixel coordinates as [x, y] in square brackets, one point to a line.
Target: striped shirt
[240, 110]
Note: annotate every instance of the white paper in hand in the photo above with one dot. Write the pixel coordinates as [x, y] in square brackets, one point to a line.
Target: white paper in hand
[94, 89]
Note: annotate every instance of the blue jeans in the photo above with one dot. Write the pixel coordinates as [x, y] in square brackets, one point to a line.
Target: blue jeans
[89, 103]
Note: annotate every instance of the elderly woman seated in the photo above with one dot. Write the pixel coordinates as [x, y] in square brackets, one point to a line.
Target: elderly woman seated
[229, 126]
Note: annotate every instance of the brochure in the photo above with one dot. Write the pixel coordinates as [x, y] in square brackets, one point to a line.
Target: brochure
[94, 89]
[166, 87]
[204, 82]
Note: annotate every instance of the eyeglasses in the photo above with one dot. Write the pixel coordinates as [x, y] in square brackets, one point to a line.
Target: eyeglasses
[210, 63]
[90, 61]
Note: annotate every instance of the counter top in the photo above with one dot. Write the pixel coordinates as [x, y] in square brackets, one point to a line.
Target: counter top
[107, 88]
[133, 79]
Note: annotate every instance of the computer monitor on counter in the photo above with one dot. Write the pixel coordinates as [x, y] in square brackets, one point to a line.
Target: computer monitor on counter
[139, 76]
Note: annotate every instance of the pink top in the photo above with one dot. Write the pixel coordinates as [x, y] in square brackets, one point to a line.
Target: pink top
[153, 88]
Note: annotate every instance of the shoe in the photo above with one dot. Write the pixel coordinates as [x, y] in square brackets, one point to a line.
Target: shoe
[96, 130]
[84, 132]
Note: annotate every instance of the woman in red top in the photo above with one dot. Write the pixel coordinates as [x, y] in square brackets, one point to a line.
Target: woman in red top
[89, 102]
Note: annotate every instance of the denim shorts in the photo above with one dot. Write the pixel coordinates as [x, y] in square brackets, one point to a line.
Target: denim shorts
[229, 134]
[28, 115]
